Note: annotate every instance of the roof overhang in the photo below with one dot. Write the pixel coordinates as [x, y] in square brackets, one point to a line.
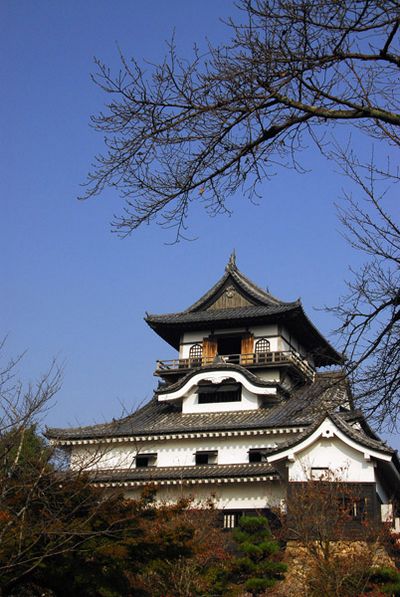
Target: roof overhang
[170, 328]
[217, 377]
[327, 429]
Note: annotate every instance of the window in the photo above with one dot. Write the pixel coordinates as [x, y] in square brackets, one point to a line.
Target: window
[358, 509]
[231, 519]
[262, 349]
[195, 355]
[355, 507]
[145, 460]
[257, 456]
[230, 345]
[206, 457]
[262, 345]
[320, 473]
[213, 393]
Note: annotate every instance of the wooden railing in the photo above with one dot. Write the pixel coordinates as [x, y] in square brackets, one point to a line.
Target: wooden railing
[254, 359]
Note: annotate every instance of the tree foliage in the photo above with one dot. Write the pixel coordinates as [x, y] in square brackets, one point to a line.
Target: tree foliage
[60, 536]
[254, 568]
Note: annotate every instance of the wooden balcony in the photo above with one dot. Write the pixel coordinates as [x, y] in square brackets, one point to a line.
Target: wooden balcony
[250, 361]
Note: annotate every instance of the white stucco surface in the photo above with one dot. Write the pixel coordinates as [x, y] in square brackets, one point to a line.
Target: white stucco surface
[233, 496]
[345, 463]
[217, 377]
[178, 452]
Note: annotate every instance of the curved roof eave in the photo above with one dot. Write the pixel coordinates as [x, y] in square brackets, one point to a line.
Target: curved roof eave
[253, 379]
[346, 429]
[338, 357]
[244, 283]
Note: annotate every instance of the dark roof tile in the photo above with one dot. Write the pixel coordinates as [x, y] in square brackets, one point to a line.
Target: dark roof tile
[211, 471]
[303, 408]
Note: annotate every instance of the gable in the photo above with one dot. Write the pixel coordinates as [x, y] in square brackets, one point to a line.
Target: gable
[229, 298]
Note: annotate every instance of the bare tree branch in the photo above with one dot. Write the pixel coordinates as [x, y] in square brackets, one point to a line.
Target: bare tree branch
[184, 131]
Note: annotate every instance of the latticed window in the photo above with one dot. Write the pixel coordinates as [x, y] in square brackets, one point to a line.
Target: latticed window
[263, 345]
[231, 519]
[195, 354]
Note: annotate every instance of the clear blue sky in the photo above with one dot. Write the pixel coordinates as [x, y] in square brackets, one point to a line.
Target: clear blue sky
[73, 290]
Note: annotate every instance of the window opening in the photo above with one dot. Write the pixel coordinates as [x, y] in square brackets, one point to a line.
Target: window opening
[209, 457]
[258, 455]
[320, 473]
[145, 460]
[195, 355]
[229, 345]
[356, 508]
[262, 349]
[263, 345]
[213, 393]
[231, 519]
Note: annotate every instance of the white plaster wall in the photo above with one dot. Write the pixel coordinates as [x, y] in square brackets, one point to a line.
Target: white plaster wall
[190, 338]
[232, 496]
[178, 452]
[345, 463]
[268, 374]
[216, 377]
[104, 456]
[270, 332]
[230, 450]
[264, 330]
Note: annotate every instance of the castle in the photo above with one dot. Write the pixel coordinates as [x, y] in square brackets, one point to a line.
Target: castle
[241, 414]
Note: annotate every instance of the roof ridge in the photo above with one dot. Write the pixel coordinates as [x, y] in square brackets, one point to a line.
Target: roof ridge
[231, 270]
[258, 291]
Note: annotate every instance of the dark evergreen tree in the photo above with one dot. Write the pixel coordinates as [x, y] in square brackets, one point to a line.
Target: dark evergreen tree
[255, 568]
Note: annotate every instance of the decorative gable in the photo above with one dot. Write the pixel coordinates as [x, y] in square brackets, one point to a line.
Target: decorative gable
[229, 299]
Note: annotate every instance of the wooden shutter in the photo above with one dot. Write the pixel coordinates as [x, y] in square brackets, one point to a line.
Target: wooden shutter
[210, 347]
[247, 349]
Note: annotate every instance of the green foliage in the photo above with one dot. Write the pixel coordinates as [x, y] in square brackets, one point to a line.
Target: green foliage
[387, 579]
[254, 567]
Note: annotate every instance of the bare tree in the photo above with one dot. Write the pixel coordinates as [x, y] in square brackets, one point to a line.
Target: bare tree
[370, 311]
[45, 512]
[201, 129]
[195, 129]
[338, 543]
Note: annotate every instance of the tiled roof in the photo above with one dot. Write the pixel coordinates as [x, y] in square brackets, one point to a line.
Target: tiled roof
[263, 308]
[252, 312]
[233, 275]
[226, 367]
[210, 471]
[303, 408]
[340, 421]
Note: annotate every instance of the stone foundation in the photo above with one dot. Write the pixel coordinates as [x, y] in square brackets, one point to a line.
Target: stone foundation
[336, 561]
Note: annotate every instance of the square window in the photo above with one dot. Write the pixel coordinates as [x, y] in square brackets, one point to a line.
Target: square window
[255, 456]
[142, 461]
[320, 473]
[231, 519]
[206, 457]
[145, 460]
[201, 458]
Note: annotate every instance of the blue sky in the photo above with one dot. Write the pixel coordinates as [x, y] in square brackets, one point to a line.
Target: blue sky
[73, 290]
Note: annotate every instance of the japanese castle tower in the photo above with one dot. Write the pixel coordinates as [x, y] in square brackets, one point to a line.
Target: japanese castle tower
[241, 414]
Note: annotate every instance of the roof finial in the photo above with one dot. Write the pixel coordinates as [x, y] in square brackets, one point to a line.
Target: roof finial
[232, 261]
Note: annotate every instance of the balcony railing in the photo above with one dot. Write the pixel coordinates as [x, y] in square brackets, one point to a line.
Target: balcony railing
[250, 360]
